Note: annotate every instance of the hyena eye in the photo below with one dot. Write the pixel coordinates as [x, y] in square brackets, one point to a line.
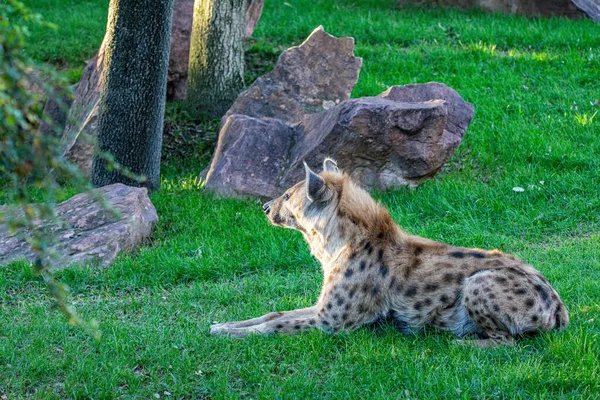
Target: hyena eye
[286, 196]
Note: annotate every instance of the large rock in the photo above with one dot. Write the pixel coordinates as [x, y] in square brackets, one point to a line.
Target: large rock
[591, 8]
[307, 78]
[180, 49]
[460, 112]
[529, 8]
[81, 129]
[253, 13]
[89, 233]
[383, 142]
[56, 110]
[300, 112]
[250, 156]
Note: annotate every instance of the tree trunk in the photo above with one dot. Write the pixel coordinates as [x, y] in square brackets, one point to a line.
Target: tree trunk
[216, 68]
[132, 99]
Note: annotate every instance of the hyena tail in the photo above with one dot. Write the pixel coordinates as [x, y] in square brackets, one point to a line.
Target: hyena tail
[561, 316]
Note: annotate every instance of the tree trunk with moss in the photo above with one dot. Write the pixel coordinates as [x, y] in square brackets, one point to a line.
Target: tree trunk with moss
[216, 67]
[133, 92]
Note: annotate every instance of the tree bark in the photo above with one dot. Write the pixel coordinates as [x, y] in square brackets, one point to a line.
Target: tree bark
[132, 99]
[216, 67]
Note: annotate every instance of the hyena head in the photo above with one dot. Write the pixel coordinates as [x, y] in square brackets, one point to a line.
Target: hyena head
[331, 204]
[308, 202]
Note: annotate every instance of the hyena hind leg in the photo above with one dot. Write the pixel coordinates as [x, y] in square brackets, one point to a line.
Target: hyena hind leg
[507, 302]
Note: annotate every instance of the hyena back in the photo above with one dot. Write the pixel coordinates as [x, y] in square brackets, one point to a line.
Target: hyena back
[372, 269]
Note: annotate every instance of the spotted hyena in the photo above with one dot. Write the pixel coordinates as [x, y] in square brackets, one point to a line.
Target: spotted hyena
[373, 269]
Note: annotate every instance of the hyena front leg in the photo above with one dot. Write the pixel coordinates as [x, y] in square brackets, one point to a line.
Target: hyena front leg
[283, 322]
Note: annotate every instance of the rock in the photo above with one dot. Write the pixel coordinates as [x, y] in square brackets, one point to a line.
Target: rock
[56, 110]
[89, 233]
[322, 69]
[460, 112]
[181, 30]
[383, 142]
[81, 129]
[380, 142]
[249, 157]
[590, 7]
[253, 13]
[300, 112]
[529, 8]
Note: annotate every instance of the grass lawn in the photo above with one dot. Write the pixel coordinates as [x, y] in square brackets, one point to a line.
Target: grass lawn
[534, 84]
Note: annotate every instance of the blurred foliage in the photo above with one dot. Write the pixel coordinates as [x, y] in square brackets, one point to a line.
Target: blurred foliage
[32, 162]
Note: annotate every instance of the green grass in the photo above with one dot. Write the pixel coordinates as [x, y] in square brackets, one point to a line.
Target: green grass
[79, 29]
[533, 84]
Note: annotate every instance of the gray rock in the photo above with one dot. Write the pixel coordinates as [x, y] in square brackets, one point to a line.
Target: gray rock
[590, 7]
[529, 8]
[460, 114]
[321, 71]
[88, 233]
[181, 30]
[250, 155]
[81, 129]
[253, 13]
[383, 142]
[300, 112]
[56, 110]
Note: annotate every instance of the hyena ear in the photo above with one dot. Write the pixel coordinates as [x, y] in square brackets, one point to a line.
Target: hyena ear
[316, 188]
[330, 165]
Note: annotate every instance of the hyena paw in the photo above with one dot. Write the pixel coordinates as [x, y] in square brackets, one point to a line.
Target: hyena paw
[218, 329]
[228, 329]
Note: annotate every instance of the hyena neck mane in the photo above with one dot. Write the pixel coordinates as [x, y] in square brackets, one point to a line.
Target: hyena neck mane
[352, 220]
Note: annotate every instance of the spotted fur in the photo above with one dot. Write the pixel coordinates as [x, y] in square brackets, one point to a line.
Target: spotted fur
[372, 270]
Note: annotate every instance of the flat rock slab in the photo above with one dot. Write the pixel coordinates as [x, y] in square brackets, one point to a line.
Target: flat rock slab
[89, 233]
